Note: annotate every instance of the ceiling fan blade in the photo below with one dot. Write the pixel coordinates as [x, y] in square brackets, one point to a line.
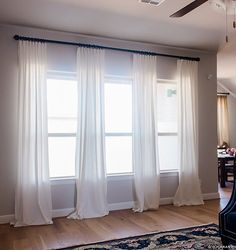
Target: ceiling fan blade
[188, 8]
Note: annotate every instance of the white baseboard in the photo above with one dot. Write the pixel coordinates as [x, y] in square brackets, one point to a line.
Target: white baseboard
[6, 218]
[211, 196]
[130, 204]
[166, 201]
[207, 196]
[120, 205]
[62, 212]
[113, 206]
[55, 213]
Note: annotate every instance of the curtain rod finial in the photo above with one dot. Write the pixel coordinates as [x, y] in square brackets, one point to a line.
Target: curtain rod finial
[16, 37]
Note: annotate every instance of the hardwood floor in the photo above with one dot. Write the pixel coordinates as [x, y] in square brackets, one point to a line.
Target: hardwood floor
[117, 224]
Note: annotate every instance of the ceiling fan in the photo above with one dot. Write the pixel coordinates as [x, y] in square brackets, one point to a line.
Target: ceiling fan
[188, 8]
[229, 7]
[195, 4]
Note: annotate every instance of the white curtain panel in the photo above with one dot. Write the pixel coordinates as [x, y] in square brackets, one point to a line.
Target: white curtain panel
[188, 192]
[90, 149]
[33, 205]
[222, 120]
[145, 148]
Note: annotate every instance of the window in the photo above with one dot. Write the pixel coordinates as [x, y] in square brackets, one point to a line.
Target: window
[167, 124]
[118, 126]
[62, 112]
[62, 105]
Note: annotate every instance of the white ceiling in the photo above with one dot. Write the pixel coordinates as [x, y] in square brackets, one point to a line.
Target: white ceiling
[203, 28]
[126, 19]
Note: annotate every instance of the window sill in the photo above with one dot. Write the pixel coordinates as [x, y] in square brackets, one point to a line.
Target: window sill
[62, 181]
[169, 173]
[126, 176]
[117, 177]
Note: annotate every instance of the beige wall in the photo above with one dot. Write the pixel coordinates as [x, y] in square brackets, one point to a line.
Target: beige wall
[232, 120]
[119, 189]
[231, 101]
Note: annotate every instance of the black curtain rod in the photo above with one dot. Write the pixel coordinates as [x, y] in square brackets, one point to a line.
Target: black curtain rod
[23, 38]
[223, 93]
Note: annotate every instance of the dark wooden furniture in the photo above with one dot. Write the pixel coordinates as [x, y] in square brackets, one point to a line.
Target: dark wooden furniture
[227, 220]
[226, 165]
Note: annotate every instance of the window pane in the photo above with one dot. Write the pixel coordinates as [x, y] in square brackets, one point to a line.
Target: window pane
[60, 125]
[167, 152]
[118, 108]
[118, 154]
[61, 98]
[62, 156]
[167, 107]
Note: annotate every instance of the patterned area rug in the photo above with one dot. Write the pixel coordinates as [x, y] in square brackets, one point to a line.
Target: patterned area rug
[201, 237]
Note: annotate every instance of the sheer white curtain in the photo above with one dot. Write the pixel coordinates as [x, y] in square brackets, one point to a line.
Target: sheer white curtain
[222, 120]
[145, 151]
[90, 153]
[33, 204]
[189, 192]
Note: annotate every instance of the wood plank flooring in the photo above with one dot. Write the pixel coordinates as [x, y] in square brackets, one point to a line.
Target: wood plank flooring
[117, 224]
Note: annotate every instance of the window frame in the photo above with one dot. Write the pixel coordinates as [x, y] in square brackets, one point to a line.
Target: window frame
[117, 79]
[61, 75]
[170, 81]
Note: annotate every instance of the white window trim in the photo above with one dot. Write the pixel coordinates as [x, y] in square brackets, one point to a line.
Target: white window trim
[169, 172]
[108, 77]
[116, 79]
[160, 80]
[61, 134]
[62, 180]
[118, 134]
[116, 177]
[61, 75]
[167, 134]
